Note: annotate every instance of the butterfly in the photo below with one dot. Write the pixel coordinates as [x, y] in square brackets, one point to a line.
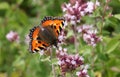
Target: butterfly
[46, 34]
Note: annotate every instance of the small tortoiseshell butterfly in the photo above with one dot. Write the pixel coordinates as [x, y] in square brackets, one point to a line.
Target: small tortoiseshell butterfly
[47, 34]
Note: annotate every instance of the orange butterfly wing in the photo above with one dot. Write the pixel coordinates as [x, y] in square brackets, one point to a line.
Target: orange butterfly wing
[54, 22]
[36, 44]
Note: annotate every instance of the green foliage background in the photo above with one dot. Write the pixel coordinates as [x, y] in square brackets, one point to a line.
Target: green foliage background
[22, 15]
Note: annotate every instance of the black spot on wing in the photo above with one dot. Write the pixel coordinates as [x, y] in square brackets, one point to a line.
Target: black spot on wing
[60, 28]
[44, 45]
[62, 23]
[57, 32]
[39, 41]
[47, 18]
[36, 50]
[41, 48]
[38, 38]
[31, 32]
[54, 27]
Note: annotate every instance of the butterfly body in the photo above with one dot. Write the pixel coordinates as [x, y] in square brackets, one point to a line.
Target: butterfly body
[45, 35]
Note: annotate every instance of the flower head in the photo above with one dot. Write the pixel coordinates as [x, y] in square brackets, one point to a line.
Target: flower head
[89, 34]
[68, 62]
[75, 9]
[61, 37]
[83, 72]
[13, 36]
[27, 39]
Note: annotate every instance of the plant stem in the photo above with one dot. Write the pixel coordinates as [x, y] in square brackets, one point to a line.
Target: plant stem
[53, 67]
[71, 74]
[75, 38]
[104, 12]
[53, 70]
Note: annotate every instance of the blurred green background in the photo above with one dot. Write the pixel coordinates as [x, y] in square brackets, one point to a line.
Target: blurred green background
[22, 15]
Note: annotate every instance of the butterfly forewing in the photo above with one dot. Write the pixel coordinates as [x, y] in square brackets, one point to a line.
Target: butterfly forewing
[56, 23]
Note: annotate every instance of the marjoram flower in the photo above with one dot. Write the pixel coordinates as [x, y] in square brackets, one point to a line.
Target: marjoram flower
[83, 72]
[75, 9]
[89, 34]
[68, 62]
[13, 36]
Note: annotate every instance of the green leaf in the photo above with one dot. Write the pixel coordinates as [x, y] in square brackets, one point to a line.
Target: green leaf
[99, 47]
[85, 50]
[22, 17]
[4, 5]
[91, 73]
[103, 56]
[115, 5]
[117, 16]
[70, 33]
[54, 61]
[45, 59]
[112, 44]
[19, 1]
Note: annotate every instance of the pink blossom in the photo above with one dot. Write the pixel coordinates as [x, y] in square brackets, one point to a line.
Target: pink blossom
[27, 39]
[13, 36]
[89, 34]
[90, 7]
[83, 72]
[61, 38]
[68, 62]
[97, 3]
[41, 52]
[75, 9]
[72, 11]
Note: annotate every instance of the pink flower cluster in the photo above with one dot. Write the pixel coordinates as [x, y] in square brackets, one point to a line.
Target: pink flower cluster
[27, 39]
[83, 72]
[89, 34]
[78, 8]
[68, 62]
[13, 36]
[61, 37]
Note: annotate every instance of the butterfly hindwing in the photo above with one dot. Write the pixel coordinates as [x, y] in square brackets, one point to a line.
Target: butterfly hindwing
[36, 43]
